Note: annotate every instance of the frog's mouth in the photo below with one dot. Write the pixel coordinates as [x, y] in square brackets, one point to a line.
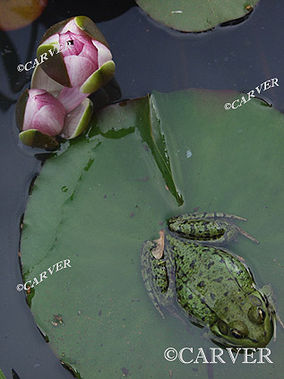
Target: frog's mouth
[243, 343]
[240, 342]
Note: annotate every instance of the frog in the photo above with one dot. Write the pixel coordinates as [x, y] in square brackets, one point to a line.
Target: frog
[190, 272]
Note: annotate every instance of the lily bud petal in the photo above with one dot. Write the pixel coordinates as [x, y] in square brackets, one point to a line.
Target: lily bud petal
[71, 26]
[78, 120]
[43, 112]
[71, 98]
[79, 69]
[104, 54]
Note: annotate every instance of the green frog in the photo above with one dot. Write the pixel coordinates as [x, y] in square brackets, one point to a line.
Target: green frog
[187, 271]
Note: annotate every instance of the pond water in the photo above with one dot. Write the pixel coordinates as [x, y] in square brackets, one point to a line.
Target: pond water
[148, 57]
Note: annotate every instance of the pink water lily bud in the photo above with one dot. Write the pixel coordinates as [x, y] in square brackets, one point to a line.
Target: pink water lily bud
[80, 56]
[75, 54]
[42, 112]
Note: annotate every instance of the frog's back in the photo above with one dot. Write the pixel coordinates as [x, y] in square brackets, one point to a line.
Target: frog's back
[206, 273]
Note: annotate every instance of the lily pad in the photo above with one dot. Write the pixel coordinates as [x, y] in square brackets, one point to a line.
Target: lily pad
[96, 203]
[196, 15]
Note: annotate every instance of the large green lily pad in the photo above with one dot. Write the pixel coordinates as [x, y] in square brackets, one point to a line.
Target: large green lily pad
[96, 202]
[196, 15]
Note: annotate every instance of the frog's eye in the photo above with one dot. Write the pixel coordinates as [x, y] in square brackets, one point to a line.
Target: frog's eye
[261, 314]
[236, 333]
[223, 327]
[256, 315]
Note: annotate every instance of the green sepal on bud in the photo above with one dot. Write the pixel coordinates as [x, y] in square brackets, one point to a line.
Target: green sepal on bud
[54, 64]
[99, 78]
[35, 138]
[90, 28]
[21, 108]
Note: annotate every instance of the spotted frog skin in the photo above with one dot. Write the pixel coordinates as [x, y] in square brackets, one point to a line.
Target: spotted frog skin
[187, 271]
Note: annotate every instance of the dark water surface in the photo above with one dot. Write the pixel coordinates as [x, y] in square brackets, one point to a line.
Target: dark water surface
[148, 57]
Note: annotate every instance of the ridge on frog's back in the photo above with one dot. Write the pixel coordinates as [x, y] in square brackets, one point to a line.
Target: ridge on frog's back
[188, 269]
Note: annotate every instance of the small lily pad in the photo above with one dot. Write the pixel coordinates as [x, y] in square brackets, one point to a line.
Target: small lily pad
[196, 15]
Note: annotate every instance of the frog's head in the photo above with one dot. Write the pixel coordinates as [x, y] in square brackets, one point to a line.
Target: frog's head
[250, 323]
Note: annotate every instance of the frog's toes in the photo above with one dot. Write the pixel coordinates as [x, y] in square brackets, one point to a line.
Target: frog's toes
[247, 235]
[158, 251]
[234, 217]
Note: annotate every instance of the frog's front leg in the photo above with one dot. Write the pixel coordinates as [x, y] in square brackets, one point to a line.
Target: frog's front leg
[158, 272]
[215, 228]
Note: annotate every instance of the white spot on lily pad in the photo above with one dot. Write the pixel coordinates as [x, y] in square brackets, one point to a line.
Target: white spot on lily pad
[188, 154]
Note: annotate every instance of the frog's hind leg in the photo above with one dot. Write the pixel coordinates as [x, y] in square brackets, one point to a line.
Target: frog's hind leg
[210, 215]
[227, 216]
[157, 275]
[209, 228]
